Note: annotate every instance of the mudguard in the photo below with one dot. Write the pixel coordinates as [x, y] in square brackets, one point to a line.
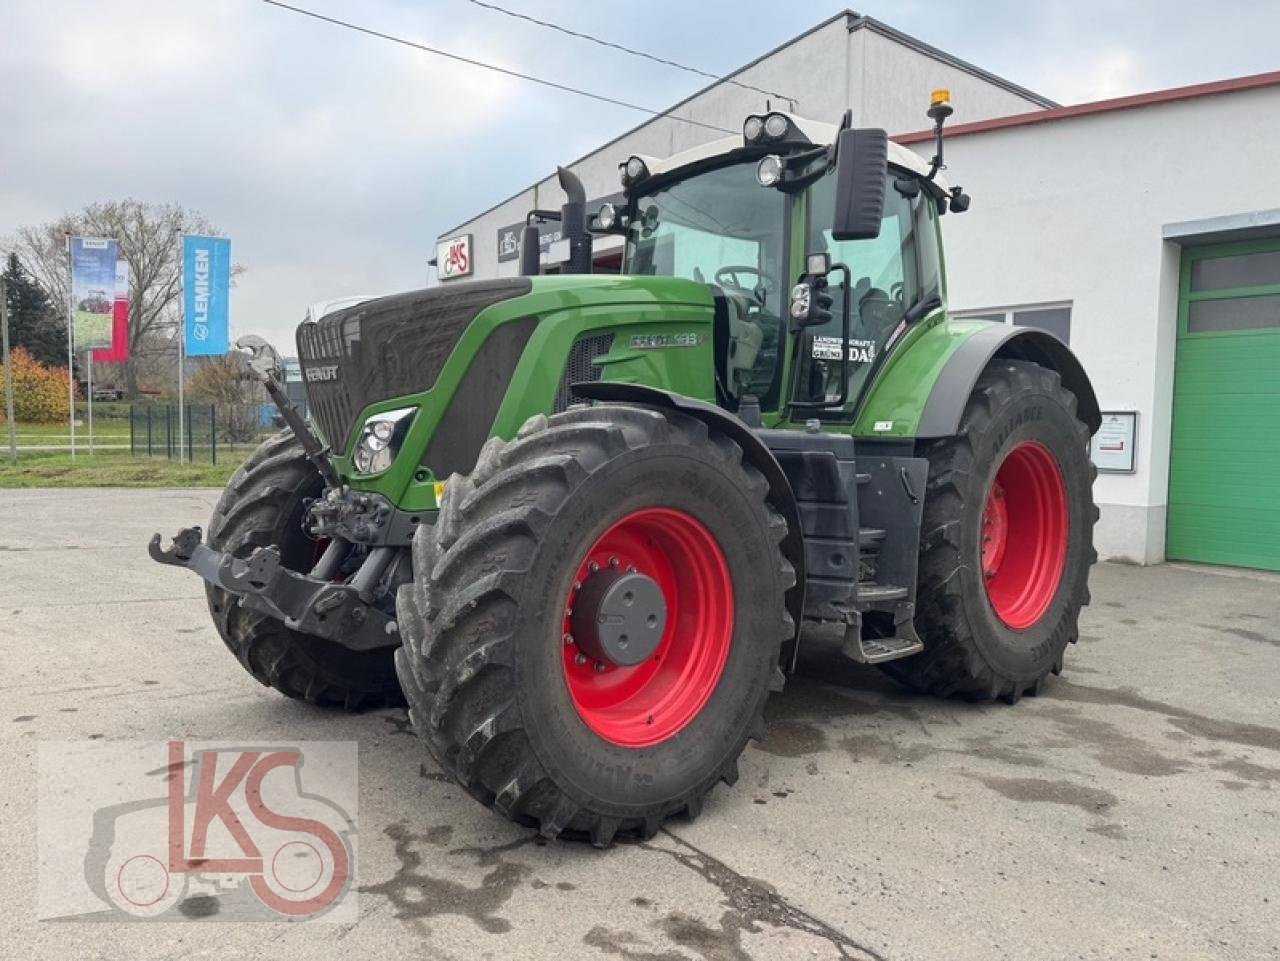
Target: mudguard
[946, 403]
[753, 449]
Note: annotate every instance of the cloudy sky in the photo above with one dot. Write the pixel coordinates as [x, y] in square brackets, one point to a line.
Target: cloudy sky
[332, 159]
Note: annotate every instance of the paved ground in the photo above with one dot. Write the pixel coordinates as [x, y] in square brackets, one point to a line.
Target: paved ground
[1131, 811]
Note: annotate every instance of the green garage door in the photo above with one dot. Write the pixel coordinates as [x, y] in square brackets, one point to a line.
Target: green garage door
[1224, 477]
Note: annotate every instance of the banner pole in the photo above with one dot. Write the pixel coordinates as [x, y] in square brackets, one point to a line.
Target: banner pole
[8, 372]
[182, 346]
[71, 357]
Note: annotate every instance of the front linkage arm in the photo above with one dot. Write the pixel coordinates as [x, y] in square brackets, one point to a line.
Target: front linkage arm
[308, 604]
[266, 365]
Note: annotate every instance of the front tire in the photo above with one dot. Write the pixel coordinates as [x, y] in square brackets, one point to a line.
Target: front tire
[262, 506]
[1006, 541]
[565, 733]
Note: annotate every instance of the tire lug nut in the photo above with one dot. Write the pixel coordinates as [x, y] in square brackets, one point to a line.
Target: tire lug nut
[631, 568]
[613, 562]
[600, 667]
[580, 659]
[568, 639]
[593, 567]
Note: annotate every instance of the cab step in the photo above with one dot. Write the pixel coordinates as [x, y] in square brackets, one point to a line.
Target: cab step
[871, 594]
[877, 650]
[870, 538]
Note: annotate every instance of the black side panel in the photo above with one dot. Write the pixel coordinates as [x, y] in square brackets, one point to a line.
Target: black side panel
[579, 367]
[892, 500]
[469, 417]
[387, 347]
[824, 479]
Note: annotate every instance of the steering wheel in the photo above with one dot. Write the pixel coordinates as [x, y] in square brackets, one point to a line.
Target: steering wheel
[729, 277]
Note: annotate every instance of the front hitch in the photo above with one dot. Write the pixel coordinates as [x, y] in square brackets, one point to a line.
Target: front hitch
[307, 604]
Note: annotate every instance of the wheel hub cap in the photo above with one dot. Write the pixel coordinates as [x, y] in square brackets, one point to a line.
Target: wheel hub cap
[618, 618]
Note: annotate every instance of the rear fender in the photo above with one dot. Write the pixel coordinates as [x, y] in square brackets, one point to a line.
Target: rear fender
[753, 450]
[950, 392]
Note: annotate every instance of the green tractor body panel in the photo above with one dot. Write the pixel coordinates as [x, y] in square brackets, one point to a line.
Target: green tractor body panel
[663, 337]
[897, 397]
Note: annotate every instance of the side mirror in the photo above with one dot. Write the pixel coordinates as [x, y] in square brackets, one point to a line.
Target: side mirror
[862, 164]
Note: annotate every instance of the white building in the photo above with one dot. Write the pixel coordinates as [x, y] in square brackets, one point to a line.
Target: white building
[1143, 230]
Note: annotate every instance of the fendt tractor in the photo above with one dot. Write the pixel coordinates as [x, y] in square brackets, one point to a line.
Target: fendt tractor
[577, 522]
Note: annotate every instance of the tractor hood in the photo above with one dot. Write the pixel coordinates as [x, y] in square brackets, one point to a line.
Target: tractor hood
[399, 345]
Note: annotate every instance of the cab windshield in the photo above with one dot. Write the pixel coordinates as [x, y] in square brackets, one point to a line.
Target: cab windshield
[721, 227]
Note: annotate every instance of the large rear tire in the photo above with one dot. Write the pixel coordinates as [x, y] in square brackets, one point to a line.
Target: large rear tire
[566, 733]
[1006, 542]
[262, 506]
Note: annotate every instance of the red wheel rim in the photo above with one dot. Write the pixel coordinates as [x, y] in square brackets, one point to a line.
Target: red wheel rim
[1024, 535]
[653, 701]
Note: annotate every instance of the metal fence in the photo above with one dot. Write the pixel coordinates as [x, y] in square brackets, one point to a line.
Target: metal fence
[208, 431]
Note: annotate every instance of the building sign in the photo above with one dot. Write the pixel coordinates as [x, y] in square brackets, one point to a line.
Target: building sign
[453, 257]
[206, 290]
[93, 291]
[1114, 445]
[548, 233]
[509, 240]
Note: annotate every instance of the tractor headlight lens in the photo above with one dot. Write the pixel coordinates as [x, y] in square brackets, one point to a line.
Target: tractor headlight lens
[380, 440]
[775, 125]
[800, 300]
[769, 170]
[607, 217]
[752, 128]
[634, 169]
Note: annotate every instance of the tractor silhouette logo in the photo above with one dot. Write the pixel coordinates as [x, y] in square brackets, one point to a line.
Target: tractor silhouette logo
[240, 818]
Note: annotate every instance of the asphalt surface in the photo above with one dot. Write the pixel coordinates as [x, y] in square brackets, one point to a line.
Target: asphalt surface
[1131, 811]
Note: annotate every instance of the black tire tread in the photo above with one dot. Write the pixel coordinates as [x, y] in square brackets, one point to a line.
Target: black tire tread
[457, 617]
[254, 511]
[950, 665]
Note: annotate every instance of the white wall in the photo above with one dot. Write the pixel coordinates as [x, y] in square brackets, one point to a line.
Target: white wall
[1072, 210]
[891, 82]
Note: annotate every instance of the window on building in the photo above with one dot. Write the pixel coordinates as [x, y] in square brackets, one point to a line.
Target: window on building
[1232, 291]
[1055, 318]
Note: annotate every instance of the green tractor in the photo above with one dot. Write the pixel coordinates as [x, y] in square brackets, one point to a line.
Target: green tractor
[578, 521]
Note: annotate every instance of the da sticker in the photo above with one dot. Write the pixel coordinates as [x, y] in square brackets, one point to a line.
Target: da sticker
[828, 348]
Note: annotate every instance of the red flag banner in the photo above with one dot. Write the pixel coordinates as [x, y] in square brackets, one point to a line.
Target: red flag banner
[118, 352]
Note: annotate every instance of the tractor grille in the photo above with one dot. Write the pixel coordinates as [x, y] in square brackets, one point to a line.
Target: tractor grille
[579, 367]
[387, 348]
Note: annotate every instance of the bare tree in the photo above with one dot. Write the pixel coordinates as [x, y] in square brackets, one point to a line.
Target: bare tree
[227, 382]
[150, 239]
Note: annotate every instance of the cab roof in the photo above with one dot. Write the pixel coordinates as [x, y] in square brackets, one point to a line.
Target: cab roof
[818, 132]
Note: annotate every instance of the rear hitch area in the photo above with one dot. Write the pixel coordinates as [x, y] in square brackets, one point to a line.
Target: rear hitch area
[308, 603]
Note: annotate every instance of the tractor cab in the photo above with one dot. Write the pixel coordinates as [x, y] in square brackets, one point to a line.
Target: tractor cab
[765, 219]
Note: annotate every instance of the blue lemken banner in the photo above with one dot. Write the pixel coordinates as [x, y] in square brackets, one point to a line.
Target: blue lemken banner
[206, 285]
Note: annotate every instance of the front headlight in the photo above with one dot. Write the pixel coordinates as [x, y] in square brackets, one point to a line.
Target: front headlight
[380, 440]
